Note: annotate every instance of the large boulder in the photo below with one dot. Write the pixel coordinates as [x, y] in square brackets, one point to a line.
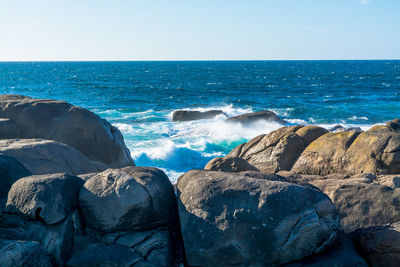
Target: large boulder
[229, 164]
[45, 156]
[10, 171]
[57, 120]
[325, 154]
[15, 253]
[191, 115]
[265, 115]
[50, 198]
[252, 219]
[127, 199]
[279, 149]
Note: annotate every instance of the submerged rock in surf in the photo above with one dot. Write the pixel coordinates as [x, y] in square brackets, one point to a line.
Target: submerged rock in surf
[256, 116]
[192, 115]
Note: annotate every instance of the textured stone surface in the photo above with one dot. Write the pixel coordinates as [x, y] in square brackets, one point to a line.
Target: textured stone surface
[10, 171]
[229, 164]
[130, 198]
[56, 239]
[45, 156]
[325, 155]
[361, 200]
[50, 198]
[251, 219]
[15, 253]
[380, 244]
[77, 127]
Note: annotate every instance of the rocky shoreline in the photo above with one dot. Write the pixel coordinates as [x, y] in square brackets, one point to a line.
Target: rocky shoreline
[71, 195]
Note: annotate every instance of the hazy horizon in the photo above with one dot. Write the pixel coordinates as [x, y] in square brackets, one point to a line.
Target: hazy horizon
[199, 31]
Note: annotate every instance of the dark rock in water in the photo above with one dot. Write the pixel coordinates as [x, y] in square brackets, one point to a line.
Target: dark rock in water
[256, 116]
[56, 239]
[45, 156]
[57, 120]
[229, 164]
[128, 199]
[252, 219]
[339, 255]
[279, 149]
[89, 252]
[340, 128]
[10, 171]
[15, 253]
[50, 198]
[192, 115]
[380, 245]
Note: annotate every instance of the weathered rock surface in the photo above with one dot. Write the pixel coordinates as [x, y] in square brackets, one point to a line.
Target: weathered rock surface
[312, 150]
[380, 244]
[10, 171]
[48, 197]
[361, 201]
[15, 253]
[279, 149]
[251, 219]
[325, 155]
[256, 116]
[45, 156]
[229, 164]
[56, 239]
[156, 245]
[192, 115]
[342, 254]
[128, 199]
[8, 129]
[89, 252]
[57, 120]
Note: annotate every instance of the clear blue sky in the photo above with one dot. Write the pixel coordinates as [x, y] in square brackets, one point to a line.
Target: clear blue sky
[197, 30]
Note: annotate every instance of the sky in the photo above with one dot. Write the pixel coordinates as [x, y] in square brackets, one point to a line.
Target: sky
[48, 30]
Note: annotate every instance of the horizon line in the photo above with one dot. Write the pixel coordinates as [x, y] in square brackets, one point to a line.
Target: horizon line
[194, 60]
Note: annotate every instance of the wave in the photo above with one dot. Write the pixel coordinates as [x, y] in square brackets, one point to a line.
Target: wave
[179, 147]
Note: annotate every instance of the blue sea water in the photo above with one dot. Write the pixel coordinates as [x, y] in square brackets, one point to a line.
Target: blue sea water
[139, 98]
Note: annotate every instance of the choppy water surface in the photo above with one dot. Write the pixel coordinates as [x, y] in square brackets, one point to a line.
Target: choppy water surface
[139, 98]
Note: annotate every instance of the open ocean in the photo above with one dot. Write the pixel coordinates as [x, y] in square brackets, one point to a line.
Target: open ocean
[139, 98]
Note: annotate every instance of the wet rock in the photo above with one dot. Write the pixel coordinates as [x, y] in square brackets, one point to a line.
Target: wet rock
[192, 115]
[256, 116]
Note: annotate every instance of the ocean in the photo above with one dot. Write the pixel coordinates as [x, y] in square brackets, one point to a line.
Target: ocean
[139, 98]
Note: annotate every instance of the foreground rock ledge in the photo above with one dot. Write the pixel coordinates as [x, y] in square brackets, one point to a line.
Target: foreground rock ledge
[251, 219]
